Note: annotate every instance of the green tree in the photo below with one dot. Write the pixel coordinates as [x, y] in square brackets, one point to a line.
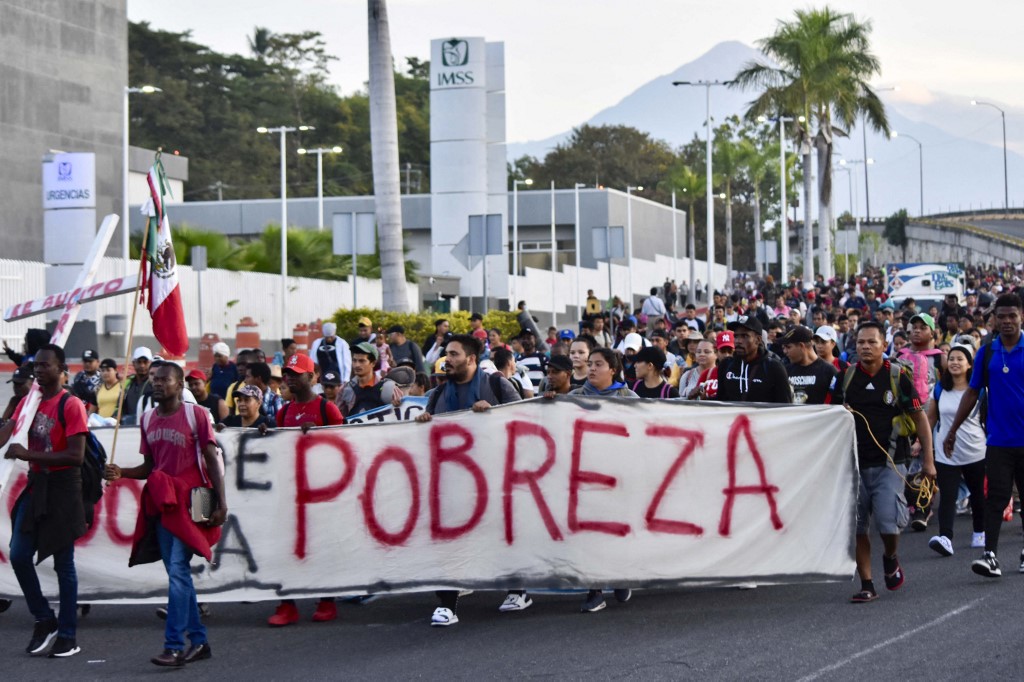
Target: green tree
[611, 156]
[726, 161]
[824, 61]
[757, 163]
[895, 231]
[691, 187]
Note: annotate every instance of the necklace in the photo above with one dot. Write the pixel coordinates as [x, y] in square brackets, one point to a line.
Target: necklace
[1002, 353]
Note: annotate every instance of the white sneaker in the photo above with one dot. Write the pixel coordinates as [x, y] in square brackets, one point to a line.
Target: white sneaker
[942, 545]
[516, 602]
[978, 540]
[1022, 561]
[443, 617]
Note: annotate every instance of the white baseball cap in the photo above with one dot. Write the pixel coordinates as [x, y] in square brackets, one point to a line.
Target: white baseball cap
[330, 329]
[632, 341]
[827, 333]
[142, 352]
[221, 348]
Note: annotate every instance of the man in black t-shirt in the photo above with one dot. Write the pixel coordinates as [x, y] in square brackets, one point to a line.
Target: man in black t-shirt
[810, 376]
[867, 389]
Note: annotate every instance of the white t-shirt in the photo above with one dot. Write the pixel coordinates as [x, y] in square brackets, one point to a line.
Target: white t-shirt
[970, 438]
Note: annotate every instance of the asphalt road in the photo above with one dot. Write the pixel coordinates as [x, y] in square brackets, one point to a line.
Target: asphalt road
[1013, 228]
[945, 624]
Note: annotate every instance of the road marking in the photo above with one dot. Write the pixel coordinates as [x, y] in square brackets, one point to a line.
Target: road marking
[888, 642]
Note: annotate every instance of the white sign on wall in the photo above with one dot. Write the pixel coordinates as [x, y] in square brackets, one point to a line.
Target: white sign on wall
[69, 181]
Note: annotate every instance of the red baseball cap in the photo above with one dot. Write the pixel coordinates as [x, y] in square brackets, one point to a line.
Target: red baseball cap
[300, 364]
[197, 374]
[725, 340]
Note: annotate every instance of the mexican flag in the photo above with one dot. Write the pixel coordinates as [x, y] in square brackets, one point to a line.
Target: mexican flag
[160, 271]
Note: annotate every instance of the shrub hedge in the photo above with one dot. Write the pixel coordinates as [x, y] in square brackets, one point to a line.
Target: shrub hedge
[418, 326]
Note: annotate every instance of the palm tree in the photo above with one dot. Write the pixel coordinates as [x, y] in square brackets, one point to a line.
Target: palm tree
[384, 147]
[824, 62]
[757, 164]
[691, 186]
[726, 164]
[259, 42]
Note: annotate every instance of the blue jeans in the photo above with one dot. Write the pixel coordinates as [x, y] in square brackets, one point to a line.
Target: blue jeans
[182, 608]
[23, 549]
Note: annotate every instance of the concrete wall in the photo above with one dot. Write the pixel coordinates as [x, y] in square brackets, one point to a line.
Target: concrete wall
[938, 244]
[63, 67]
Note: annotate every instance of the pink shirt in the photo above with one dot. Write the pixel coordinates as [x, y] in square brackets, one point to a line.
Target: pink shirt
[170, 443]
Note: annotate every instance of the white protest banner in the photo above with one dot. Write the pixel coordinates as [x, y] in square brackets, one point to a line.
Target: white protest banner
[539, 494]
[411, 407]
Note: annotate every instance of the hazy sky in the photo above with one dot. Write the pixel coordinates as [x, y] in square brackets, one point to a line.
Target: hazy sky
[567, 59]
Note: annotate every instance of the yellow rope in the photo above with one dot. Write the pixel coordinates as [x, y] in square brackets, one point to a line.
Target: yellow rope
[923, 486]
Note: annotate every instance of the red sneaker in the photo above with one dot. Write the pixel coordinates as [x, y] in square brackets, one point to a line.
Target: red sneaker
[326, 611]
[286, 614]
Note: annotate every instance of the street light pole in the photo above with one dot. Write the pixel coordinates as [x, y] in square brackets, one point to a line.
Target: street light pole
[864, 134]
[320, 151]
[1006, 177]
[707, 85]
[579, 305]
[784, 219]
[554, 258]
[282, 131]
[515, 236]
[629, 243]
[920, 164]
[125, 228]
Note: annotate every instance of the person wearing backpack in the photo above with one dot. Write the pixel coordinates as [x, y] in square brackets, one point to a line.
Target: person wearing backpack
[468, 387]
[50, 514]
[882, 398]
[1000, 370]
[967, 462]
[306, 411]
[363, 392]
[927, 364]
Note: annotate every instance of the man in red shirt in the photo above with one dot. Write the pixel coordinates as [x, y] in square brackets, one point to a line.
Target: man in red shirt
[173, 435]
[49, 515]
[305, 411]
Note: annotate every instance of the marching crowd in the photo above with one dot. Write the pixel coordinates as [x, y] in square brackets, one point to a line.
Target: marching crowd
[951, 374]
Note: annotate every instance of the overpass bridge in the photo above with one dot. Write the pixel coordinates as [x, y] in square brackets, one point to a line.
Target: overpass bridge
[974, 238]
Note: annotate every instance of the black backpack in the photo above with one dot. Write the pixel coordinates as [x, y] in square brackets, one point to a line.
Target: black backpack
[92, 465]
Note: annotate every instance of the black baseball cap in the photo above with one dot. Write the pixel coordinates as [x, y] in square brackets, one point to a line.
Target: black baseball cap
[330, 379]
[748, 321]
[22, 375]
[108, 362]
[562, 363]
[798, 334]
[90, 355]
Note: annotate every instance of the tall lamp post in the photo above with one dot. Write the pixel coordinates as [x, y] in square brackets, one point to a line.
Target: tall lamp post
[1006, 180]
[282, 131]
[920, 164]
[515, 236]
[579, 306]
[146, 90]
[320, 151]
[854, 162]
[629, 242]
[864, 135]
[784, 219]
[707, 85]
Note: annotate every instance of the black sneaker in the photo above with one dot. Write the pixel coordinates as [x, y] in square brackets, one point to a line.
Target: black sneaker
[64, 647]
[919, 520]
[42, 636]
[594, 602]
[623, 596]
[987, 565]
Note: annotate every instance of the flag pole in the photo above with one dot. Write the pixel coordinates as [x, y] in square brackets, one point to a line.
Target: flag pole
[131, 331]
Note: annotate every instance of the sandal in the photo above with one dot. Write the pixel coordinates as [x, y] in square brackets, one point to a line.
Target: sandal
[863, 597]
[894, 579]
